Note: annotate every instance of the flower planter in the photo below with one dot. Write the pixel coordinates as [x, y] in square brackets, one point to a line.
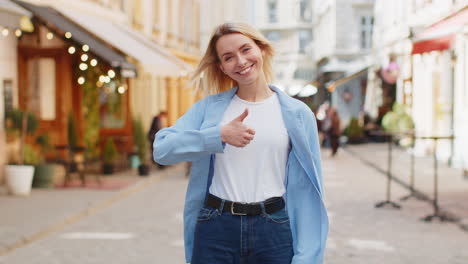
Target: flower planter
[19, 179]
[107, 168]
[143, 170]
[43, 176]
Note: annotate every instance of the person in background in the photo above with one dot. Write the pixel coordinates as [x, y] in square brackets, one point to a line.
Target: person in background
[255, 193]
[334, 131]
[159, 122]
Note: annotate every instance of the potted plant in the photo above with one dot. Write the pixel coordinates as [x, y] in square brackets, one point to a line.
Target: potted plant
[398, 121]
[354, 132]
[18, 173]
[43, 172]
[109, 155]
[139, 139]
[72, 134]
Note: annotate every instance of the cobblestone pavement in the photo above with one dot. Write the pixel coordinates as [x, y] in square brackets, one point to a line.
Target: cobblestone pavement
[145, 226]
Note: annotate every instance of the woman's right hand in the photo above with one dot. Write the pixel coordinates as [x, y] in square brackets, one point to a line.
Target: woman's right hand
[237, 134]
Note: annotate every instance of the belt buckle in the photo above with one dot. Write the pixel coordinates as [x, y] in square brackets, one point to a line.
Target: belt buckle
[232, 210]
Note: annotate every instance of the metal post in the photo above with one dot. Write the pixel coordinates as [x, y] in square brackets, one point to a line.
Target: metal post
[389, 177]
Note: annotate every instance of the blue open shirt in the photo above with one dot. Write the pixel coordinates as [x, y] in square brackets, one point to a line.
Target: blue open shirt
[196, 137]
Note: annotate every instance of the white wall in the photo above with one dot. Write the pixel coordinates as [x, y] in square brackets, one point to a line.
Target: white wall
[325, 29]
[8, 71]
[461, 104]
[215, 12]
[338, 29]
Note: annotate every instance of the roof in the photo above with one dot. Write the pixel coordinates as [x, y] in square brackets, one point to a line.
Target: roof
[154, 59]
[55, 21]
[10, 14]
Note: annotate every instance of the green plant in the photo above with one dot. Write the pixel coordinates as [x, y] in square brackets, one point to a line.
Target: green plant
[109, 153]
[43, 140]
[30, 155]
[398, 120]
[354, 131]
[20, 124]
[140, 140]
[72, 131]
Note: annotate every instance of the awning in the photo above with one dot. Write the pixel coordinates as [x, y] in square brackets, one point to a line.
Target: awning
[441, 35]
[10, 14]
[153, 58]
[56, 22]
[331, 86]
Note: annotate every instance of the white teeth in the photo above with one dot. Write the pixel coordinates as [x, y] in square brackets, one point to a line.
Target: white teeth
[246, 70]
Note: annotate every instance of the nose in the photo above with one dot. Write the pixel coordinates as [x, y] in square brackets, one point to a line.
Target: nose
[241, 60]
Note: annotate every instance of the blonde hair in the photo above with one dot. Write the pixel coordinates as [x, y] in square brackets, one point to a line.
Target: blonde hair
[209, 79]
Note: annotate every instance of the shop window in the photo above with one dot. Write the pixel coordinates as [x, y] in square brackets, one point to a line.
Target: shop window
[7, 95]
[113, 105]
[42, 87]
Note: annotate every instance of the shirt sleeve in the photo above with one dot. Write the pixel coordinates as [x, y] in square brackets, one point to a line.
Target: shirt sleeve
[185, 141]
[310, 124]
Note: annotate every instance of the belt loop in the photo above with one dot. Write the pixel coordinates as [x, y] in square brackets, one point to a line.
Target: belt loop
[221, 207]
[262, 205]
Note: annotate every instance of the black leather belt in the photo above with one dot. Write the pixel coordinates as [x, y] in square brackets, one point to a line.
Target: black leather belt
[271, 205]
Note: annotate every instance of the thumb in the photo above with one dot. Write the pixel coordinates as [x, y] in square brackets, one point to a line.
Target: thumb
[243, 115]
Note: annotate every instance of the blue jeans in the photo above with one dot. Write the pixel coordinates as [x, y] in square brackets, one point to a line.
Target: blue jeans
[223, 238]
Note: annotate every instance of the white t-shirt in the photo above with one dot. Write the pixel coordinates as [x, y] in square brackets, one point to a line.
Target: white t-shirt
[257, 171]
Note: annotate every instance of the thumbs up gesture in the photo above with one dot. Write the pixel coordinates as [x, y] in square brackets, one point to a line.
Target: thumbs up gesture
[237, 134]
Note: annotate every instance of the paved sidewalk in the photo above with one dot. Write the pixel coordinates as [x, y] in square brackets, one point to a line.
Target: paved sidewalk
[26, 219]
[452, 185]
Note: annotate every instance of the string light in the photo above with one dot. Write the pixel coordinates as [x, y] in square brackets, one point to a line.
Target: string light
[121, 89]
[81, 80]
[71, 50]
[102, 78]
[18, 33]
[85, 48]
[84, 57]
[93, 62]
[99, 84]
[50, 36]
[5, 32]
[107, 79]
[68, 35]
[111, 73]
[83, 66]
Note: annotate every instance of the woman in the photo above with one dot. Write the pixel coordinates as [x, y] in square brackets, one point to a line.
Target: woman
[255, 191]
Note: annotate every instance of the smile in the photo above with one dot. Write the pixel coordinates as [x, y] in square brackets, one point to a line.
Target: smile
[246, 70]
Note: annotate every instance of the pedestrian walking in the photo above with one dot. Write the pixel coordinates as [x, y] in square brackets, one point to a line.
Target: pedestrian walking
[334, 132]
[255, 193]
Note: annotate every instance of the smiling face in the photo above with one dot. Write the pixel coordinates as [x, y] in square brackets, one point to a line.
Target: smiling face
[240, 58]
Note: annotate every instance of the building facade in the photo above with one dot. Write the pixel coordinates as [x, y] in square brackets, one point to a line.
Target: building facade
[10, 30]
[432, 80]
[288, 25]
[344, 30]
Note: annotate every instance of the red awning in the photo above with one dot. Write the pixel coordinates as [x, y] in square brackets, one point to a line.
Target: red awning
[441, 35]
